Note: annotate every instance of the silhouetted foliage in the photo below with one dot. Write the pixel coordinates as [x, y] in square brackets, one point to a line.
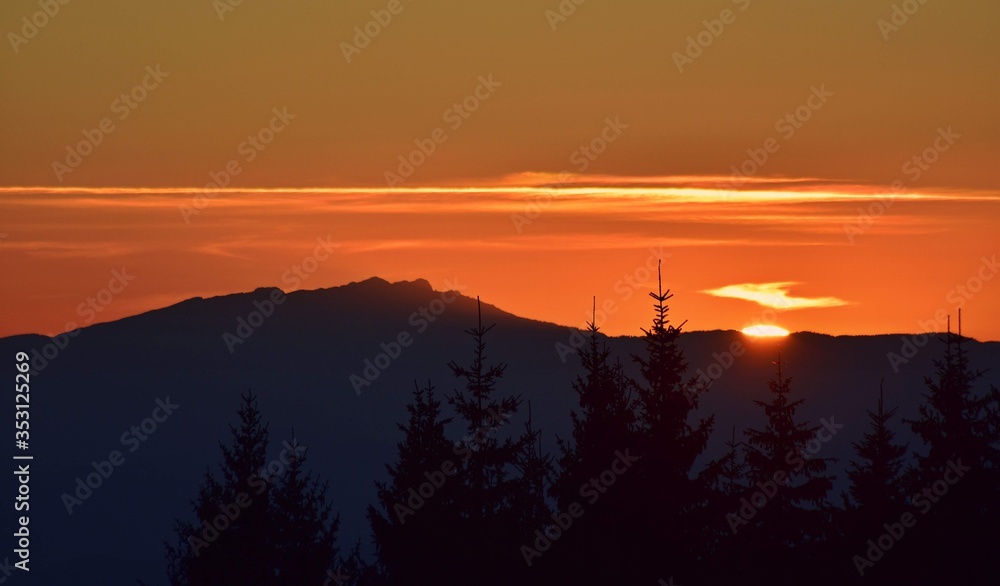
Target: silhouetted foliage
[955, 485]
[876, 476]
[791, 478]
[490, 489]
[672, 497]
[416, 524]
[254, 526]
[634, 499]
[604, 424]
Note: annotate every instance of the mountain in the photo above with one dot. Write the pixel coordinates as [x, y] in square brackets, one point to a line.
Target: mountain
[187, 365]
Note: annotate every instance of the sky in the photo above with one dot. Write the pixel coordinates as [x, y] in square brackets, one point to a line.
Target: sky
[829, 161]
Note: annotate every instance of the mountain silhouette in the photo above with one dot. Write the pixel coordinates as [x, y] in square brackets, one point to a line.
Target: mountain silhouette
[305, 357]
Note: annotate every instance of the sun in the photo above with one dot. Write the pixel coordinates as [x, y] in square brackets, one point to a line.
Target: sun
[762, 331]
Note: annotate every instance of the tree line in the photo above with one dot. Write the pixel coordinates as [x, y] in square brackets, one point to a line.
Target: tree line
[624, 499]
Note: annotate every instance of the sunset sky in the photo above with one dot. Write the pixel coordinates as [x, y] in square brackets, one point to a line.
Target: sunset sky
[561, 154]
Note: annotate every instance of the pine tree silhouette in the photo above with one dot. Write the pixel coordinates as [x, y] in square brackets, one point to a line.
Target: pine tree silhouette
[674, 500]
[727, 482]
[490, 491]
[305, 527]
[954, 421]
[605, 423]
[876, 477]
[417, 522]
[229, 543]
[793, 518]
[534, 469]
[956, 483]
[876, 496]
[253, 528]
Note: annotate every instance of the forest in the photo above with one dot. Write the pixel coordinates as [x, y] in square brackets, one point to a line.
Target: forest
[627, 499]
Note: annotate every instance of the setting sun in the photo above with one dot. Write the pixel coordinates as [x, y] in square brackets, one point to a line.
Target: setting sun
[762, 331]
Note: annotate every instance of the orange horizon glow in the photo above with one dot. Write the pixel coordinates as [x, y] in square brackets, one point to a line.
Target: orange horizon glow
[765, 331]
[539, 252]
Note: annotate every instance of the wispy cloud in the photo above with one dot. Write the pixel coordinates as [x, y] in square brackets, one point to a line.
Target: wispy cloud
[774, 295]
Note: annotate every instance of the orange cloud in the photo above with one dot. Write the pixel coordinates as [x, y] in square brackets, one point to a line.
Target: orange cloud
[774, 295]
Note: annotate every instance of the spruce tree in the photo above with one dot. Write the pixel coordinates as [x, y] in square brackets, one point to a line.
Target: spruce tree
[955, 485]
[534, 468]
[230, 541]
[955, 421]
[416, 524]
[877, 497]
[599, 544]
[673, 497]
[305, 526]
[252, 527]
[876, 486]
[789, 489]
[489, 486]
[604, 423]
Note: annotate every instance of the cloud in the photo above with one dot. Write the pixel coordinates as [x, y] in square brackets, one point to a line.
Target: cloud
[774, 295]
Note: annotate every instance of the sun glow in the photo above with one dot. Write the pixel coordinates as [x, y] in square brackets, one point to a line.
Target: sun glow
[762, 331]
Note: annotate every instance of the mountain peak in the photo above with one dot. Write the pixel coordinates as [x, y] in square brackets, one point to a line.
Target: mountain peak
[380, 282]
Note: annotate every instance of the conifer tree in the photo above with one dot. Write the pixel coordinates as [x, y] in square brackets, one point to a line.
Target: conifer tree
[534, 469]
[955, 484]
[252, 527]
[673, 497]
[305, 527]
[876, 477]
[415, 524]
[726, 483]
[490, 487]
[876, 497]
[600, 543]
[605, 421]
[789, 517]
[230, 541]
[955, 421]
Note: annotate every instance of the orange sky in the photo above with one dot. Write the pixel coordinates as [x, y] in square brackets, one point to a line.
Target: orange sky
[626, 132]
[728, 256]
